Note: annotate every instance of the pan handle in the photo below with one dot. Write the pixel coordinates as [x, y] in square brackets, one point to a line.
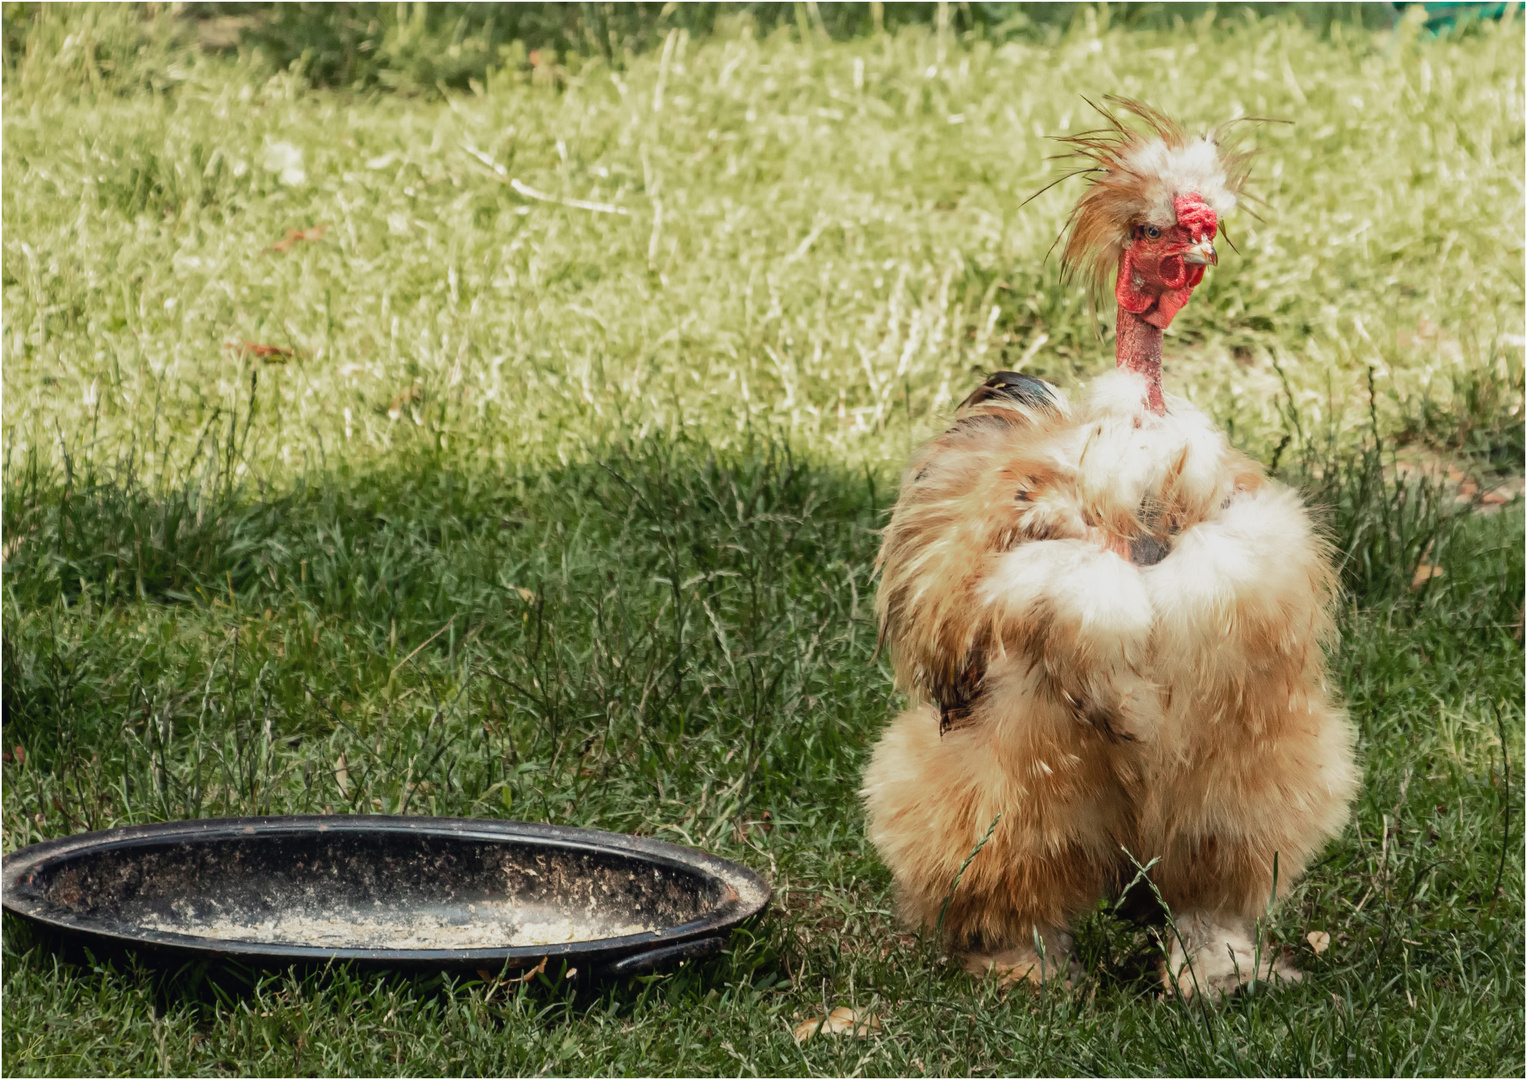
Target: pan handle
[651, 959]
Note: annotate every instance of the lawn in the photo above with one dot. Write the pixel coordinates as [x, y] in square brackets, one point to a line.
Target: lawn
[519, 451]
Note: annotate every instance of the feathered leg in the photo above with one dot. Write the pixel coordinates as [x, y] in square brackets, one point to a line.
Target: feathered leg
[1207, 956]
[992, 803]
[1047, 762]
[1046, 958]
[1253, 770]
[1046, 803]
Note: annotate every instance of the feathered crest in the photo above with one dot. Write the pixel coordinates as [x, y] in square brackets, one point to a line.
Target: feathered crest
[1135, 172]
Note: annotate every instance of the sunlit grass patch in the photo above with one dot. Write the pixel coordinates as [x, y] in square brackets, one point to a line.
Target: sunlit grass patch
[824, 241]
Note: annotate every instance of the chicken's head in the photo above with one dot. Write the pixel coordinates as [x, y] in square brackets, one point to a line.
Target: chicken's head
[1162, 264]
[1153, 208]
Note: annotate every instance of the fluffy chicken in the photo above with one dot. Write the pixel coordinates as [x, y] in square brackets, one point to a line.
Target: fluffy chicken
[1111, 626]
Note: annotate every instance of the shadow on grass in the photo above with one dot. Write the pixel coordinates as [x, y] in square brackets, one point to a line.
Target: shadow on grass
[635, 604]
[668, 642]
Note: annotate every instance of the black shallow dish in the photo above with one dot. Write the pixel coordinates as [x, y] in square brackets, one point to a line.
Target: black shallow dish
[395, 891]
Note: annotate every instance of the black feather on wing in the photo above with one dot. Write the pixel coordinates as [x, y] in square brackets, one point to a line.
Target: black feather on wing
[1013, 387]
[957, 697]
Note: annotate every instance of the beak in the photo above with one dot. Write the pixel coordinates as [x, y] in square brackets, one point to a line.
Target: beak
[1201, 254]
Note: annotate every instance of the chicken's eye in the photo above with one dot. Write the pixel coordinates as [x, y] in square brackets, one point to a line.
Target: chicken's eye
[1152, 233]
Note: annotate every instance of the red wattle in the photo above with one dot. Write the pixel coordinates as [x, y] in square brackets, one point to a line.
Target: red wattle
[1163, 291]
[1174, 272]
[1174, 300]
[1129, 297]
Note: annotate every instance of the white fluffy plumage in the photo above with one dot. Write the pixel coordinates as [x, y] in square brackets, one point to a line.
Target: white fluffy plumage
[1111, 626]
[1167, 171]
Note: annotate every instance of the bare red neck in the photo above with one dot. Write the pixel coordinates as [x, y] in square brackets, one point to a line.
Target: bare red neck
[1155, 280]
[1138, 346]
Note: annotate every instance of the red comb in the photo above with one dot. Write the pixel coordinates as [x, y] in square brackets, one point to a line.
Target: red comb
[1195, 216]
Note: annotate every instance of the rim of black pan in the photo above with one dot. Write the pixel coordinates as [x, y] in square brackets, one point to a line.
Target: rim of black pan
[748, 895]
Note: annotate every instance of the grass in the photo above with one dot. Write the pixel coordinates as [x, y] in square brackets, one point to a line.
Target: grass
[564, 515]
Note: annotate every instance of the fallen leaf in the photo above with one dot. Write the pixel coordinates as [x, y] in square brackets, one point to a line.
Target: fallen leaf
[494, 982]
[745, 829]
[272, 353]
[841, 1021]
[1424, 573]
[533, 972]
[296, 236]
[1319, 940]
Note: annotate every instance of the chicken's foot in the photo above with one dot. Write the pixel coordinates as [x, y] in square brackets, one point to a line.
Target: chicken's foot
[1047, 959]
[1216, 956]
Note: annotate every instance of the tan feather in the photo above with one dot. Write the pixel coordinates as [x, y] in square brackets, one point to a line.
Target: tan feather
[1071, 701]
